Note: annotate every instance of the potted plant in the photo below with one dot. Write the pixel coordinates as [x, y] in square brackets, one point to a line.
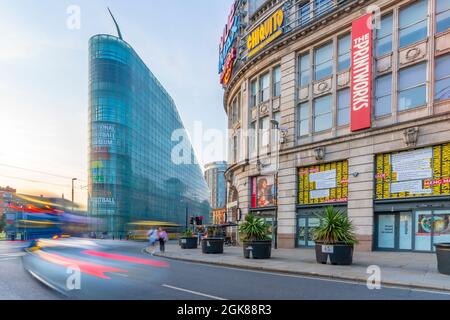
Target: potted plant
[443, 257]
[188, 240]
[257, 237]
[213, 242]
[335, 238]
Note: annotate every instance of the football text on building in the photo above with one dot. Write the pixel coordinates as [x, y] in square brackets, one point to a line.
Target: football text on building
[361, 73]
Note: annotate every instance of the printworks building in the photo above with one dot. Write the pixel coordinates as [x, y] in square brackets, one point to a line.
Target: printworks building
[344, 103]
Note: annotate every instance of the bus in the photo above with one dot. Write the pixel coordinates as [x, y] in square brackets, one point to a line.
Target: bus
[138, 230]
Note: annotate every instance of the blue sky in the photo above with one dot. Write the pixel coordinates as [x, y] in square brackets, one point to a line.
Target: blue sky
[43, 77]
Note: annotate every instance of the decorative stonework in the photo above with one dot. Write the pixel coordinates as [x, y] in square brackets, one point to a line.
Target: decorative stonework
[276, 103]
[384, 64]
[343, 79]
[413, 54]
[264, 109]
[254, 113]
[410, 136]
[443, 42]
[322, 87]
[303, 93]
[319, 153]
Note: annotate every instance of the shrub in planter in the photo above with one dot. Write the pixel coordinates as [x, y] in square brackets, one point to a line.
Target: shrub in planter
[257, 237]
[335, 238]
[188, 240]
[213, 243]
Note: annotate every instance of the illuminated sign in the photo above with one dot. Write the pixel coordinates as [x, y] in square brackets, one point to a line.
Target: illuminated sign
[419, 173]
[228, 67]
[265, 33]
[325, 183]
[361, 74]
[230, 32]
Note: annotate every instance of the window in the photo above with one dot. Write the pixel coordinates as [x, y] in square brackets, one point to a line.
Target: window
[235, 149]
[277, 81]
[323, 117]
[344, 44]
[304, 13]
[412, 88]
[442, 15]
[442, 75]
[253, 137]
[254, 5]
[264, 131]
[323, 61]
[264, 84]
[253, 93]
[236, 109]
[303, 119]
[304, 70]
[343, 106]
[383, 42]
[383, 87]
[413, 23]
[322, 6]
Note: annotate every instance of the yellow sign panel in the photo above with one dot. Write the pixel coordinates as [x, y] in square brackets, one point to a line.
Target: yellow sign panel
[265, 33]
[325, 183]
[419, 173]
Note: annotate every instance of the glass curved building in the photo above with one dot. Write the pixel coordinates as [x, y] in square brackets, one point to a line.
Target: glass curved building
[131, 120]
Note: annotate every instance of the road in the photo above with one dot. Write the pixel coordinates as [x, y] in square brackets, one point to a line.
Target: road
[121, 270]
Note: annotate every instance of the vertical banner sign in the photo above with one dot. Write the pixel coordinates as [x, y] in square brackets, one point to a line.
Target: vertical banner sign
[254, 192]
[361, 74]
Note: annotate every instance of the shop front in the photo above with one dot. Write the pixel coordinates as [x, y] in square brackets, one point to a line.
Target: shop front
[264, 202]
[412, 201]
[319, 186]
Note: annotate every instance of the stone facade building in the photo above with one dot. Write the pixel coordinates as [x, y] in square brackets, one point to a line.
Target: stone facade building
[287, 74]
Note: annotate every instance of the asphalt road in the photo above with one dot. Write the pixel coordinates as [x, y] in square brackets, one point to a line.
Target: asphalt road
[120, 270]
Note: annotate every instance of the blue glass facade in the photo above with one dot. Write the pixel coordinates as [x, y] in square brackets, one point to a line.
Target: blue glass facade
[215, 178]
[131, 120]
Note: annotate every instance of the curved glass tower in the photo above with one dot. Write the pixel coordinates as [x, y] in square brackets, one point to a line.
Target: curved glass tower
[131, 119]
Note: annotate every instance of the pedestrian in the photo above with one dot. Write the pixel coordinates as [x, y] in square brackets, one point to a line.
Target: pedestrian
[152, 237]
[163, 237]
[200, 233]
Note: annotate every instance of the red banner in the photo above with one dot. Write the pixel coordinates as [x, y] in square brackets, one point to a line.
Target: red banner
[361, 75]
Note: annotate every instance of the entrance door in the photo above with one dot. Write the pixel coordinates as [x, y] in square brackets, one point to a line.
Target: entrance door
[269, 218]
[305, 235]
[386, 231]
[405, 231]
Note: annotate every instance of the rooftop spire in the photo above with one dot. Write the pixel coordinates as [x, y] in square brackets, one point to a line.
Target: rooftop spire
[117, 26]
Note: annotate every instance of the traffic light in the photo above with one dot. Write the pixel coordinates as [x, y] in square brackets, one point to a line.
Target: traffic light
[192, 221]
[199, 221]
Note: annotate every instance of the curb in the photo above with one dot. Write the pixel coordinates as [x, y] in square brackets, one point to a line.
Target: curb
[310, 274]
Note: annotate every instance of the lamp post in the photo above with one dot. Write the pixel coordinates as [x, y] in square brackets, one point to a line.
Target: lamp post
[73, 193]
[276, 126]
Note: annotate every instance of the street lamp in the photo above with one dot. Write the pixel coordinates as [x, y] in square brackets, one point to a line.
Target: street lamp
[276, 125]
[73, 195]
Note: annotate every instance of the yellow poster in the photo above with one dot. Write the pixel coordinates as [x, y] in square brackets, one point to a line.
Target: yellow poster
[325, 183]
[423, 172]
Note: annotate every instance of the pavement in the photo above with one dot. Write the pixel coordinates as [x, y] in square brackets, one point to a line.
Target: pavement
[400, 269]
[122, 270]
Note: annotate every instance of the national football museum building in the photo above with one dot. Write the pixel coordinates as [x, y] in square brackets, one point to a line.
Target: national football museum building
[132, 118]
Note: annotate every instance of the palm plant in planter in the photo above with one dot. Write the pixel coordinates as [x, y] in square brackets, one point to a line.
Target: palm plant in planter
[257, 237]
[335, 237]
[213, 243]
[188, 240]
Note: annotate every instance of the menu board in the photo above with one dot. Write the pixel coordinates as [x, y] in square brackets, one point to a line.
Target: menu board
[325, 183]
[419, 173]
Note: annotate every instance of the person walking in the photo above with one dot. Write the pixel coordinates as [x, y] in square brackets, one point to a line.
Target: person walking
[163, 237]
[153, 237]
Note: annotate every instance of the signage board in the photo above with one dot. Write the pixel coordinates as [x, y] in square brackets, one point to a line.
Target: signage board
[361, 73]
[325, 183]
[263, 192]
[227, 51]
[422, 172]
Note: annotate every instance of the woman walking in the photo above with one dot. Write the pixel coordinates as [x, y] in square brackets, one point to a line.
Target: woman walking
[163, 237]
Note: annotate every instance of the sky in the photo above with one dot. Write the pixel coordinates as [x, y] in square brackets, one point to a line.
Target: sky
[44, 73]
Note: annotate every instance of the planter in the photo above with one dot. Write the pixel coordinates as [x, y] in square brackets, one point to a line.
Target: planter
[212, 245]
[188, 242]
[443, 257]
[339, 253]
[258, 249]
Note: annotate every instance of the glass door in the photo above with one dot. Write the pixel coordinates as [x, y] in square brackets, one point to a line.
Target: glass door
[301, 232]
[405, 231]
[312, 223]
[386, 231]
[305, 230]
